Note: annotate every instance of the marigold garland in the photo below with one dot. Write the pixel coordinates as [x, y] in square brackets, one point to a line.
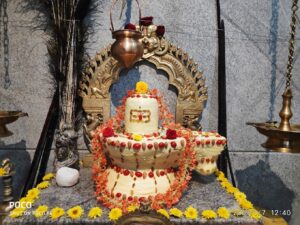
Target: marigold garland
[33, 194]
[17, 212]
[164, 213]
[191, 213]
[56, 213]
[209, 214]
[95, 212]
[132, 208]
[75, 212]
[239, 196]
[48, 176]
[40, 211]
[223, 213]
[254, 214]
[115, 214]
[176, 212]
[27, 200]
[186, 163]
[43, 185]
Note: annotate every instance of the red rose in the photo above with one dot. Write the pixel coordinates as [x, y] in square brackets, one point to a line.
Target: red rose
[108, 132]
[130, 26]
[146, 21]
[160, 31]
[171, 134]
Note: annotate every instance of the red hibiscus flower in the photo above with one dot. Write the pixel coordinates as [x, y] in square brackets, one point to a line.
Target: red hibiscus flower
[130, 26]
[146, 21]
[171, 134]
[108, 132]
[160, 31]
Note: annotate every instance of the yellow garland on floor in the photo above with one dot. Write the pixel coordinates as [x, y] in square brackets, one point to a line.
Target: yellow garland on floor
[115, 213]
[239, 196]
[29, 200]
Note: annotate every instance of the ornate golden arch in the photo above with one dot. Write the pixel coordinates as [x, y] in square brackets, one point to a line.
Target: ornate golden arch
[182, 72]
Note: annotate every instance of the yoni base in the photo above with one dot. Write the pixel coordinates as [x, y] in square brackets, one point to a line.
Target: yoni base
[203, 193]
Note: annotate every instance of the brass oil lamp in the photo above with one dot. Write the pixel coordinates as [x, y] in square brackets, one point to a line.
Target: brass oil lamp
[283, 136]
[7, 117]
[128, 47]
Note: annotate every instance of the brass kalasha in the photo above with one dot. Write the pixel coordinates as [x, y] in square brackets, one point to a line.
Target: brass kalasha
[284, 137]
[182, 72]
[128, 48]
[7, 117]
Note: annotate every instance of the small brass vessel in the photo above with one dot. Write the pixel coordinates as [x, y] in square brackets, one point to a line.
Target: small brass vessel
[7, 117]
[128, 47]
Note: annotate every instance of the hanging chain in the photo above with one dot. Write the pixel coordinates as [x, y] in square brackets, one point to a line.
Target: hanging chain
[290, 62]
[6, 45]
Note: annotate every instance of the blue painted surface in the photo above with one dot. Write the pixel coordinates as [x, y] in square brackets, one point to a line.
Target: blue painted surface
[273, 53]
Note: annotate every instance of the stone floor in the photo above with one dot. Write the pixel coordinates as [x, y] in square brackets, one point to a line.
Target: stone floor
[203, 193]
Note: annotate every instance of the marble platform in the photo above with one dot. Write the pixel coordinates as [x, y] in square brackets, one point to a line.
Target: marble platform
[203, 193]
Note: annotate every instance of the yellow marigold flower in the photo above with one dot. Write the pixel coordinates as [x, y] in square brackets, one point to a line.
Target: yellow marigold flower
[209, 214]
[239, 195]
[223, 213]
[40, 211]
[33, 193]
[132, 208]
[226, 184]
[56, 213]
[75, 212]
[48, 176]
[164, 212]
[220, 173]
[17, 212]
[43, 185]
[141, 87]
[254, 214]
[222, 179]
[115, 214]
[191, 213]
[237, 212]
[232, 190]
[95, 212]
[27, 200]
[2, 172]
[176, 212]
[137, 137]
[245, 204]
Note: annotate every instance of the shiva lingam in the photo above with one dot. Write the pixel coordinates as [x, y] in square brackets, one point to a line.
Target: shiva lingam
[7, 117]
[284, 137]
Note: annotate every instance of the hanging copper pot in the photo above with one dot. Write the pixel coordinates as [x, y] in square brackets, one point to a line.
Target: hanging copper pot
[128, 47]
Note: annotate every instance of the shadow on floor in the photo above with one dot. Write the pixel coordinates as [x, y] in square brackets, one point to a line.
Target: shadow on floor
[265, 189]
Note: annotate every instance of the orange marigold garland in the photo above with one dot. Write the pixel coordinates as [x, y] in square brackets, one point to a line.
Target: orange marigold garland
[186, 163]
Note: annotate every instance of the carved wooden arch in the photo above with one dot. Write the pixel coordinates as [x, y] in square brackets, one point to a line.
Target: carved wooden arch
[182, 72]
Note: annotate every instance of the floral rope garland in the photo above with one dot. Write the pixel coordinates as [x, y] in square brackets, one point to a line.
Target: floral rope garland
[114, 214]
[186, 163]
